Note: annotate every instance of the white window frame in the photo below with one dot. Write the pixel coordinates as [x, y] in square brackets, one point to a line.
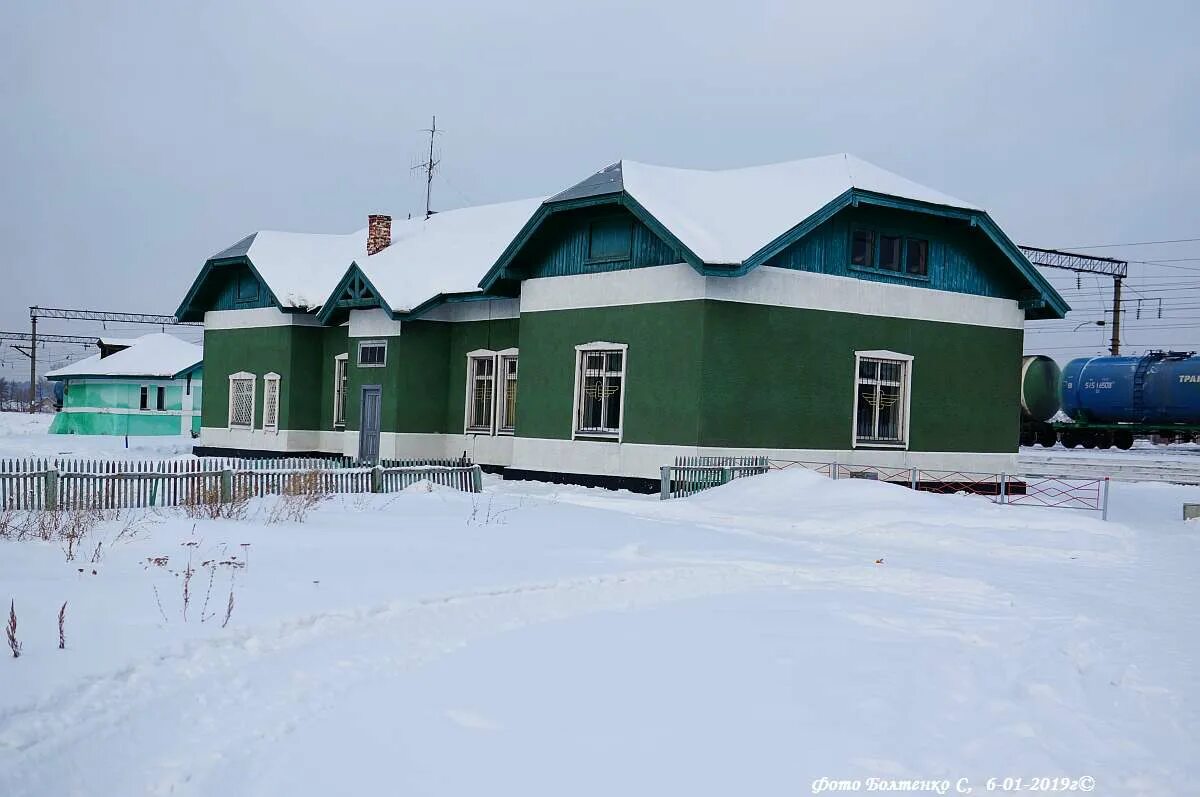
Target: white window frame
[505, 425]
[906, 360]
[242, 375]
[468, 403]
[580, 350]
[364, 343]
[340, 388]
[269, 380]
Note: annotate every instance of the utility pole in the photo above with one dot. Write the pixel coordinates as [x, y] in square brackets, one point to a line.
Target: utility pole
[1087, 264]
[429, 165]
[32, 362]
[1115, 348]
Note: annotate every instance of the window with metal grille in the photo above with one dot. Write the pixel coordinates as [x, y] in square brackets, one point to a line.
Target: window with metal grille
[241, 401]
[508, 394]
[601, 386]
[372, 353]
[881, 401]
[481, 392]
[339, 389]
[270, 403]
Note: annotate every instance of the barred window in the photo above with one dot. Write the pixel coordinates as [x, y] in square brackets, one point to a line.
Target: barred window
[372, 353]
[241, 401]
[339, 389]
[508, 393]
[481, 391]
[881, 400]
[600, 383]
[270, 420]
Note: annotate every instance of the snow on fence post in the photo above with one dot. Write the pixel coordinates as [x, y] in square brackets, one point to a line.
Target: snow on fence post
[51, 491]
[664, 474]
[377, 479]
[226, 486]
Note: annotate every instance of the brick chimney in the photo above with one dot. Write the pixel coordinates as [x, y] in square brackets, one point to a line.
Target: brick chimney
[379, 233]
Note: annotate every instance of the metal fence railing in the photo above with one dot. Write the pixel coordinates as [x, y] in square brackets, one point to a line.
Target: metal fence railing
[1057, 491]
[34, 484]
[690, 475]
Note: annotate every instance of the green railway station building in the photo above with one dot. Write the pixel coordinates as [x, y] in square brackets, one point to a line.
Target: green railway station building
[816, 310]
[151, 385]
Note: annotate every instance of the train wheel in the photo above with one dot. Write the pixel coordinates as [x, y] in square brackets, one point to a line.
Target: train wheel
[1070, 439]
[1028, 438]
[1123, 440]
[1047, 438]
[1088, 439]
[1104, 440]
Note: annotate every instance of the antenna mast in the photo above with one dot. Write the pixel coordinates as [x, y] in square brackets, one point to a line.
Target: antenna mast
[429, 165]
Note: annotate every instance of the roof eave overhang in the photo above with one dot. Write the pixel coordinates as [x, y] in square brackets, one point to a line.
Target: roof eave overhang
[1053, 305]
[550, 207]
[188, 312]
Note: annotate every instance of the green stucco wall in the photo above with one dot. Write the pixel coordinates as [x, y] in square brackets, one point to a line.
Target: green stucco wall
[723, 374]
[663, 370]
[301, 355]
[784, 378]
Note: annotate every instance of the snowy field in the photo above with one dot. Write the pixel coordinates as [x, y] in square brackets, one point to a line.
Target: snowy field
[23, 434]
[544, 640]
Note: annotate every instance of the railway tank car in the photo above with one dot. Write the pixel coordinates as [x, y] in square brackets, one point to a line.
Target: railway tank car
[1041, 379]
[1111, 399]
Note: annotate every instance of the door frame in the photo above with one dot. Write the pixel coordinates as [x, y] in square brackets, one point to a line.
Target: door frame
[362, 430]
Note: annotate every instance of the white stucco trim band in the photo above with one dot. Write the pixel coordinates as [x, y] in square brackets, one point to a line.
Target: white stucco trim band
[768, 285]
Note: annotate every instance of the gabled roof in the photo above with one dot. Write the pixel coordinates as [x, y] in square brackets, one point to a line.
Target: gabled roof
[156, 355]
[728, 222]
[300, 269]
[444, 254]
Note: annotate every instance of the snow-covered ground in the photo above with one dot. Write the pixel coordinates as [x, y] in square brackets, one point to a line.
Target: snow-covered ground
[23, 434]
[552, 640]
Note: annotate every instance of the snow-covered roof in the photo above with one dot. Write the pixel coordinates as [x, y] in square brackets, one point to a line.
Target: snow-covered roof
[446, 253]
[104, 340]
[155, 355]
[301, 269]
[727, 216]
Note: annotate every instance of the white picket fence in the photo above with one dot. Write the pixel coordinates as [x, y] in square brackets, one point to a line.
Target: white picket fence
[32, 484]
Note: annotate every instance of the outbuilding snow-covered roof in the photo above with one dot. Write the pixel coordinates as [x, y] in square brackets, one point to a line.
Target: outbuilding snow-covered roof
[446, 253]
[155, 355]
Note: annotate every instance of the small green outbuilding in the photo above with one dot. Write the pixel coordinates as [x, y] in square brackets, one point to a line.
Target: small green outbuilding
[149, 385]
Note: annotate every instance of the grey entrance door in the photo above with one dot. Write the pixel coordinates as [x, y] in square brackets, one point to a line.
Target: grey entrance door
[368, 426]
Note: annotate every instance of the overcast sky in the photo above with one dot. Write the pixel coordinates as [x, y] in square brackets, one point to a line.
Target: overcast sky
[140, 137]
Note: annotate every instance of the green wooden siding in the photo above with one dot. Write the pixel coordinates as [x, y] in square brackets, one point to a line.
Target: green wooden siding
[961, 259]
[232, 286]
[564, 245]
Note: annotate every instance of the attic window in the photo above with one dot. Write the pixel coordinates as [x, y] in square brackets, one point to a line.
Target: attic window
[889, 252]
[610, 239]
[862, 248]
[247, 287]
[916, 256]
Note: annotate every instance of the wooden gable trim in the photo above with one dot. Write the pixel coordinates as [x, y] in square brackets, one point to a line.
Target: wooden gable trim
[1054, 306]
[188, 311]
[547, 209]
[354, 291]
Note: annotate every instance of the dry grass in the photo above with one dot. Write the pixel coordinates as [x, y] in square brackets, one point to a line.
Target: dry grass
[205, 503]
[302, 493]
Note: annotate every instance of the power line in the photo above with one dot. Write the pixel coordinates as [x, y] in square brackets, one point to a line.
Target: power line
[1136, 243]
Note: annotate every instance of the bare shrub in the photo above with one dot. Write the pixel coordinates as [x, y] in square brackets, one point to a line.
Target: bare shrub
[302, 493]
[11, 629]
[205, 503]
[229, 605]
